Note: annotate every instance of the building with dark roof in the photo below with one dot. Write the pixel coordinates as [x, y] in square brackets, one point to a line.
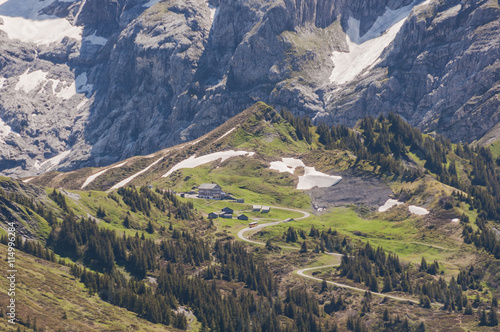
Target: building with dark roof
[210, 191]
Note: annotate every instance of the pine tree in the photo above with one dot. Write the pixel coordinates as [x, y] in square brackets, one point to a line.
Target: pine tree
[303, 247]
[482, 318]
[150, 228]
[492, 317]
[324, 286]
[386, 317]
[126, 222]
[423, 265]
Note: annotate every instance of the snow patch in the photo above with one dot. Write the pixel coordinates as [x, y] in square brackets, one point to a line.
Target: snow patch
[5, 130]
[2, 81]
[229, 132]
[96, 40]
[82, 103]
[81, 84]
[96, 175]
[66, 92]
[420, 211]
[311, 178]
[286, 165]
[389, 204]
[21, 20]
[29, 81]
[364, 51]
[193, 161]
[130, 178]
[455, 220]
[151, 3]
[28, 180]
[54, 161]
[213, 13]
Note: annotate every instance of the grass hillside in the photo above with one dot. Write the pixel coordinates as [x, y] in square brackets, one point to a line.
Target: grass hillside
[50, 298]
[144, 251]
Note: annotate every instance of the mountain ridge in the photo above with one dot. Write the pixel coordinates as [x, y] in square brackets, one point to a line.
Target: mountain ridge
[146, 75]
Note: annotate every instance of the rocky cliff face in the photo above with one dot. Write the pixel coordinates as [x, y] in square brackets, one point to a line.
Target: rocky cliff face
[90, 82]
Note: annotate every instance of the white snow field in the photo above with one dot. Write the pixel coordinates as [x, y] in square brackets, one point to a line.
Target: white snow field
[390, 203]
[213, 12]
[54, 161]
[2, 81]
[29, 81]
[311, 178]
[194, 161]
[420, 211]
[455, 220]
[22, 20]
[229, 132]
[364, 51]
[96, 175]
[130, 178]
[96, 40]
[287, 165]
[151, 3]
[5, 129]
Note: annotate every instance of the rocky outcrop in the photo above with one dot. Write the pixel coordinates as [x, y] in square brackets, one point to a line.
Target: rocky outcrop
[146, 74]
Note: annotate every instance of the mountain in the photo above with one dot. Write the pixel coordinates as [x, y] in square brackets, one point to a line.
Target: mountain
[90, 83]
[364, 224]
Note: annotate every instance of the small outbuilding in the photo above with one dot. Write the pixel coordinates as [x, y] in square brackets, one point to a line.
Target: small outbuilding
[242, 217]
[265, 209]
[226, 216]
[240, 200]
[256, 208]
[213, 215]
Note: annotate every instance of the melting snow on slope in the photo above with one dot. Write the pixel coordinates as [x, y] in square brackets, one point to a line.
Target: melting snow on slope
[194, 161]
[229, 132]
[2, 81]
[455, 220]
[130, 178]
[389, 204]
[286, 165]
[96, 175]
[213, 12]
[365, 50]
[5, 130]
[420, 211]
[21, 20]
[311, 178]
[96, 40]
[54, 161]
[151, 3]
[81, 84]
[29, 81]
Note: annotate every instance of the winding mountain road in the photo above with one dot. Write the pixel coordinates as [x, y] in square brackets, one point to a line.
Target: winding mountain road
[301, 272]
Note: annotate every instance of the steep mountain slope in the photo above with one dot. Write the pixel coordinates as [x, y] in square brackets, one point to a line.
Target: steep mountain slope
[89, 83]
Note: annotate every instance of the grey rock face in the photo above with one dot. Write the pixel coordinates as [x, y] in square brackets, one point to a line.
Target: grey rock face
[150, 74]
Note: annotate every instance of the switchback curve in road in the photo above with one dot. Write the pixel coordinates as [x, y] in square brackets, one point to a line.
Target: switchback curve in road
[301, 272]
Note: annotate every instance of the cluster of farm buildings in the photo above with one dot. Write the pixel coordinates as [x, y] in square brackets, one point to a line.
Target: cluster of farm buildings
[214, 191]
